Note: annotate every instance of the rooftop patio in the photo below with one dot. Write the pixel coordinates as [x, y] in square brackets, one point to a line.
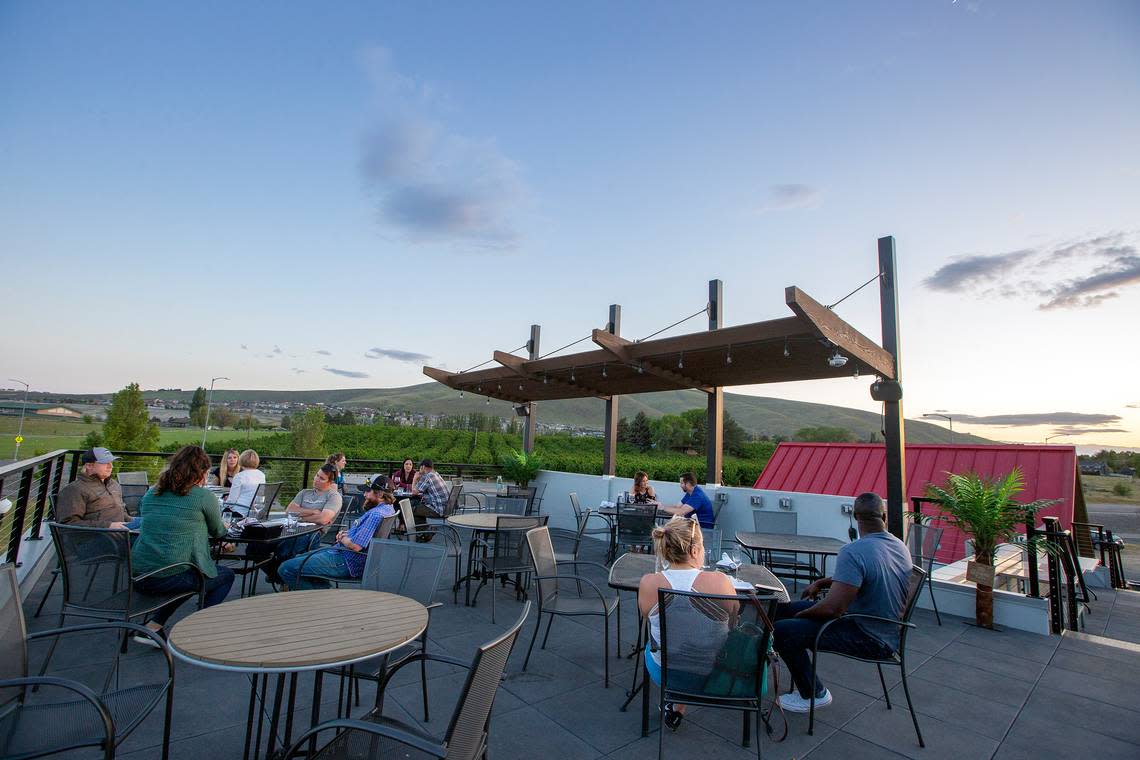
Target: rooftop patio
[979, 694]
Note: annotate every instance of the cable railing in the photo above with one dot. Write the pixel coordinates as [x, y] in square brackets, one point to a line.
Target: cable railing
[25, 487]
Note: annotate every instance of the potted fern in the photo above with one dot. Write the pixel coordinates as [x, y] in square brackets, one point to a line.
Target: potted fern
[520, 466]
[985, 509]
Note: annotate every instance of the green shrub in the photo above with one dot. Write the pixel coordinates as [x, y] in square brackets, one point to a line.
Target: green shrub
[1122, 489]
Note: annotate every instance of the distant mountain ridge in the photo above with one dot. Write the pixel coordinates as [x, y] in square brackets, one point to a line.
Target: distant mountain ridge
[757, 414]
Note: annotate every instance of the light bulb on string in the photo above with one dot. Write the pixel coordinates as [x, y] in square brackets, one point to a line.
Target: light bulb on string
[681, 361]
[728, 357]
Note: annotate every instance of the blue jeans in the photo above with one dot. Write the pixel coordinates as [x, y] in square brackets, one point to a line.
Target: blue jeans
[217, 588]
[327, 562]
[794, 638]
[282, 551]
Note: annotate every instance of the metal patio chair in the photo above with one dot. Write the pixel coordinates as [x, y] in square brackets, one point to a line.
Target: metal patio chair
[466, 735]
[132, 495]
[383, 530]
[923, 542]
[555, 601]
[75, 716]
[452, 542]
[507, 555]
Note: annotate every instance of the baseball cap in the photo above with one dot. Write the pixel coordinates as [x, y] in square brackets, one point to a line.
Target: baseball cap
[98, 455]
[379, 483]
[427, 463]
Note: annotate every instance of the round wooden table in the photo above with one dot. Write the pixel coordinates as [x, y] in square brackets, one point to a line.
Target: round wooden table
[293, 632]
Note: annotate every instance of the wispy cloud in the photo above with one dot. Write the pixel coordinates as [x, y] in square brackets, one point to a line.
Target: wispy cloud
[345, 372]
[1074, 430]
[277, 350]
[411, 357]
[298, 371]
[1039, 418]
[784, 197]
[431, 183]
[1078, 273]
[244, 347]
[965, 272]
[322, 352]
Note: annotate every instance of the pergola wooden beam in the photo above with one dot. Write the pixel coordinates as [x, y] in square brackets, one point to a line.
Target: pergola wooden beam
[619, 348]
[517, 365]
[489, 388]
[827, 324]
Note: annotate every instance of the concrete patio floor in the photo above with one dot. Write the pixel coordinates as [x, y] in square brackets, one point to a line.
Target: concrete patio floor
[979, 694]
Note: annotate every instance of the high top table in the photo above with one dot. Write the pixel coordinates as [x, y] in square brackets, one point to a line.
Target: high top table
[482, 523]
[294, 632]
[792, 543]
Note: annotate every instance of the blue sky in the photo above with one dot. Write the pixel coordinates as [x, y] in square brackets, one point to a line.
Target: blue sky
[182, 180]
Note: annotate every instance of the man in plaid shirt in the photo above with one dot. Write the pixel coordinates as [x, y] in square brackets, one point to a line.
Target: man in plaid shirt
[346, 559]
[433, 491]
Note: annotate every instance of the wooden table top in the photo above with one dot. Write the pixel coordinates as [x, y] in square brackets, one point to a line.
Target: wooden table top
[298, 630]
[790, 542]
[628, 570]
[488, 521]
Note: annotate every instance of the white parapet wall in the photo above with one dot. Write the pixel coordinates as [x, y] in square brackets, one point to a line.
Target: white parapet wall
[816, 515]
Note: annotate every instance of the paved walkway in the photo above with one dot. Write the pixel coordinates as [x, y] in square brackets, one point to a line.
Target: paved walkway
[979, 694]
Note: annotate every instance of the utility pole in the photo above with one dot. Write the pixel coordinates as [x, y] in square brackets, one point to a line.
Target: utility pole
[23, 409]
[209, 403]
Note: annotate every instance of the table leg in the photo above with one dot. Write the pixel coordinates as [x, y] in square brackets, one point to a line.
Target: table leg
[645, 699]
[289, 712]
[249, 715]
[315, 718]
[275, 718]
[260, 716]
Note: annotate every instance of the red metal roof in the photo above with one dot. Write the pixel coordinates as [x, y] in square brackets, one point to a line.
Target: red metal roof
[849, 469]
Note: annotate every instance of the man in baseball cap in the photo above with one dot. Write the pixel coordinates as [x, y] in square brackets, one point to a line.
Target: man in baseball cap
[94, 498]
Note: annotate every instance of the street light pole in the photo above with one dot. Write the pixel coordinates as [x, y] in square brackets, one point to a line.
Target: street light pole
[946, 417]
[209, 403]
[23, 408]
[1057, 435]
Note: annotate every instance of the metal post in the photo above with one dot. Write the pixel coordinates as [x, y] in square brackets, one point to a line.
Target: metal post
[19, 515]
[1031, 552]
[23, 409]
[41, 500]
[1056, 614]
[609, 451]
[531, 407]
[893, 433]
[209, 403]
[714, 427]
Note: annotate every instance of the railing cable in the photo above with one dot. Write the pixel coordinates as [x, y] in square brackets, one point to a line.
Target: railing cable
[704, 310]
[856, 290]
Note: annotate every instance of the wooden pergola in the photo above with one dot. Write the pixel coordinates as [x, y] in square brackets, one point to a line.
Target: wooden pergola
[809, 345]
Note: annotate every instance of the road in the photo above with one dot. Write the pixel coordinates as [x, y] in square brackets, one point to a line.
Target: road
[1122, 519]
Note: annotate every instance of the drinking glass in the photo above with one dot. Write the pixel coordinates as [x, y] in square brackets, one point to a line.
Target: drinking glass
[291, 520]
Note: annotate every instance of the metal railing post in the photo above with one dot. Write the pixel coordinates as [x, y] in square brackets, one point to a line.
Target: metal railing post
[19, 515]
[1031, 552]
[74, 473]
[41, 501]
[1056, 614]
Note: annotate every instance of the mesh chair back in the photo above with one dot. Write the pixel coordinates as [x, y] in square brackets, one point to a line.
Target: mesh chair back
[466, 736]
[635, 524]
[139, 478]
[452, 500]
[712, 541]
[80, 551]
[132, 495]
[406, 568]
[693, 629]
[542, 557]
[577, 507]
[784, 523]
[408, 515]
[540, 490]
[511, 505]
[263, 499]
[528, 493]
[913, 587]
[13, 634]
[511, 550]
[923, 541]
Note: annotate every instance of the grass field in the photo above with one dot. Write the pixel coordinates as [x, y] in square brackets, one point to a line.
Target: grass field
[1098, 489]
[44, 435]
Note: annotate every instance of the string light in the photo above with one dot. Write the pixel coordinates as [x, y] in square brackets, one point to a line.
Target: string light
[571, 374]
[728, 358]
[545, 379]
[856, 373]
[787, 353]
[460, 394]
[604, 374]
[681, 361]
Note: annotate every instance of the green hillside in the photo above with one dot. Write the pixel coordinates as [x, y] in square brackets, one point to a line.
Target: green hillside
[756, 414]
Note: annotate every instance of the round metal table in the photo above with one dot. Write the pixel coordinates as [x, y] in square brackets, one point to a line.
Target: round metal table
[484, 523]
[294, 632]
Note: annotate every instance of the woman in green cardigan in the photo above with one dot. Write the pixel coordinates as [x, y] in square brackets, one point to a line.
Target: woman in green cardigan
[179, 517]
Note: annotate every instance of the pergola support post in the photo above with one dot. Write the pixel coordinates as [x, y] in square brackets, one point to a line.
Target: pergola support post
[530, 421]
[609, 455]
[714, 429]
[894, 434]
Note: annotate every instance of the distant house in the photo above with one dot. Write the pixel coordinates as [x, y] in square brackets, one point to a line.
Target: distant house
[1094, 467]
[178, 422]
[13, 408]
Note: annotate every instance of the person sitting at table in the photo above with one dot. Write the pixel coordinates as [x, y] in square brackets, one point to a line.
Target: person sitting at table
[431, 489]
[871, 577]
[642, 492]
[180, 517]
[695, 502]
[402, 478]
[318, 505]
[346, 559]
[94, 498]
[244, 484]
[338, 461]
[227, 468]
[680, 543]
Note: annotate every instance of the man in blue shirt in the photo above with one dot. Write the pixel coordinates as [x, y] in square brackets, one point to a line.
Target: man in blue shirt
[871, 577]
[695, 502]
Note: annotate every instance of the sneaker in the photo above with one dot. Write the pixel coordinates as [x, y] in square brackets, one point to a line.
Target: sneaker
[672, 717]
[139, 638]
[795, 703]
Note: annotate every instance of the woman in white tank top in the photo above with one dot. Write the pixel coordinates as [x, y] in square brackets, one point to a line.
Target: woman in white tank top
[679, 545]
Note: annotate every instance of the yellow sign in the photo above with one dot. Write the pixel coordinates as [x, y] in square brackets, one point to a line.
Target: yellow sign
[19, 439]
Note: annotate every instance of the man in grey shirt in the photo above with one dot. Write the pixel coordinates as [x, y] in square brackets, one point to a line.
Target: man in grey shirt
[871, 578]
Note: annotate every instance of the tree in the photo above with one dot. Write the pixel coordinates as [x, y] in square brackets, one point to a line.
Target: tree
[286, 422]
[88, 419]
[346, 418]
[309, 433]
[735, 437]
[91, 440]
[824, 434]
[640, 433]
[623, 430]
[198, 408]
[128, 427]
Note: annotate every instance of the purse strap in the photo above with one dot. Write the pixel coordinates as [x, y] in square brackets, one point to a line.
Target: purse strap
[774, 668]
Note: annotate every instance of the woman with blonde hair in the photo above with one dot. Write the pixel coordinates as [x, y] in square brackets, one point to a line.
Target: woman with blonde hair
[227, 468]
[680, 547]
[245, 483]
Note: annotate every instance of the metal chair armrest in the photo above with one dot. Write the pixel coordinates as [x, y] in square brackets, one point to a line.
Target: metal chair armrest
[850, 615]
[597, 590]
[169, 567]
[88, 627]
[75, 686]
[403, 735]
[598, 565]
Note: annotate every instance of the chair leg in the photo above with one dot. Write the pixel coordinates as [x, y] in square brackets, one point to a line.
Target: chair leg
[549, 623]
[51, 650]
[166, 720]
[606, 648]
[910, 706]
[933, 601]
[533, 637]
[811, 704]
[746, 729]
[883, 681]
[423, 681]
[51, 585]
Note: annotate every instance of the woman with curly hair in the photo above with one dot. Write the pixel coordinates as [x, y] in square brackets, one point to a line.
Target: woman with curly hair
[172, 553]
